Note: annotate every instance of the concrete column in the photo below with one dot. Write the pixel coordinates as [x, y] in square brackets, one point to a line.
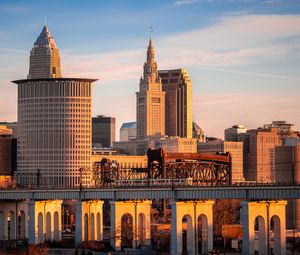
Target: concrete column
[78, 223]
[32, 237]
[90, 209]
[192, 210]
[140, 213]
[263, 211]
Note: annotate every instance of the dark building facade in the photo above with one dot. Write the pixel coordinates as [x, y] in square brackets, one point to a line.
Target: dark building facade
[103, 131]
[178, 108]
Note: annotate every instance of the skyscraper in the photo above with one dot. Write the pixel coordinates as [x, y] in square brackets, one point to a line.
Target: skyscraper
[150, 100]
[54, 122]
[103, 131]
[44, 57]
[178, 110]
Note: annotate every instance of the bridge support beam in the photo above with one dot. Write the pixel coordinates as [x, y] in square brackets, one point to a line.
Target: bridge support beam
[198, 218]
[269, 217]
[44, 221]
[88, 221]
[132, 216]
[13, 220]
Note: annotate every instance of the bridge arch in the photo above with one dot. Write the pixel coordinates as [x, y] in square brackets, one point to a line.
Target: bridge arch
[276, 229]
[21, 224]
[127, 235]
[142, 228]
[11, 226]
[187, 232]
[260, 227]
[48, 226]
[202, 230]
[86, 227]
[56, 226]
[2, 217]
[40, 228]
[92, 227]
[98, 226]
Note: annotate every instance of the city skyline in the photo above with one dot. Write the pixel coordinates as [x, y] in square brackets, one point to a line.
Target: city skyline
[242, 56]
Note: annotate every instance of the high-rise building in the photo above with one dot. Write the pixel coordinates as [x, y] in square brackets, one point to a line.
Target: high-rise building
[235, 133]
[236, 152]
[128, 132]
[54, 122]
[150, 100]
[260, 153]
[103, 131]
[44, 57]
[178, 114]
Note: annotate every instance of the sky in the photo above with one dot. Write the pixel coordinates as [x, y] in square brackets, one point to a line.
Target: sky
[243, 56]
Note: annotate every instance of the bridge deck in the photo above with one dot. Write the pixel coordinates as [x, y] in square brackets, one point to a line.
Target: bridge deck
[264, 192]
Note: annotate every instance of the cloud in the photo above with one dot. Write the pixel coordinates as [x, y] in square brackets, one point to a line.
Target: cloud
[233, 42]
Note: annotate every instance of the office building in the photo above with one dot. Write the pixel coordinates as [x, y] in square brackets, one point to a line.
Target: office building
[103, 131]
[44, 57]
[8, 152]
[177, 144]
[178, 111]
[54, 122]
[260, 153]
[128, 132]
[236, 152]
[150, 100]
[235, 133]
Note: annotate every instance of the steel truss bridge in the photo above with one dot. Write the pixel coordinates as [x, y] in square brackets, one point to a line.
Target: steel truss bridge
[253, 192]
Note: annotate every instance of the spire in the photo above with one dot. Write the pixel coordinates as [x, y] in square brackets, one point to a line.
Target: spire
[150, 52]
[45, 39]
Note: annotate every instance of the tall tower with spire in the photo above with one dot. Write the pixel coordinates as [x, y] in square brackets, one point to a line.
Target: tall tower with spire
[150, 100]
[54, 122]
[44, 57]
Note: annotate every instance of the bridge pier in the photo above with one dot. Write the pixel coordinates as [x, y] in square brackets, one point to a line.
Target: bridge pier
[44, 221]
[88, 221]
[130, 222]
[13, 220]
[262, 214]
[198, 217]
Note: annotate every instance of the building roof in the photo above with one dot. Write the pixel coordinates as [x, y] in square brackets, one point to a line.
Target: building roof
[128, 125]
[45, 39]
[55, 79]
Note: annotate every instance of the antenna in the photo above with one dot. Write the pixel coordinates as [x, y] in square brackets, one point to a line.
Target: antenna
[151, 30]
[45, 21]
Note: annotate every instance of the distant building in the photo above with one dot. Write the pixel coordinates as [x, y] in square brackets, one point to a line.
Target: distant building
[235, 133]
[133, 147]
[128, 132]
[198, 133]
[260, 154]
[150, 100]
[13, 126]
[54, 122]
[285, 129]
[236, 151]
[178, 109]
[177, 144]
[8, 152]
[103, 131]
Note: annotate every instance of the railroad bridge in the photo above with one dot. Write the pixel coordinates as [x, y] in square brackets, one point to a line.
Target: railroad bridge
[261, 203]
